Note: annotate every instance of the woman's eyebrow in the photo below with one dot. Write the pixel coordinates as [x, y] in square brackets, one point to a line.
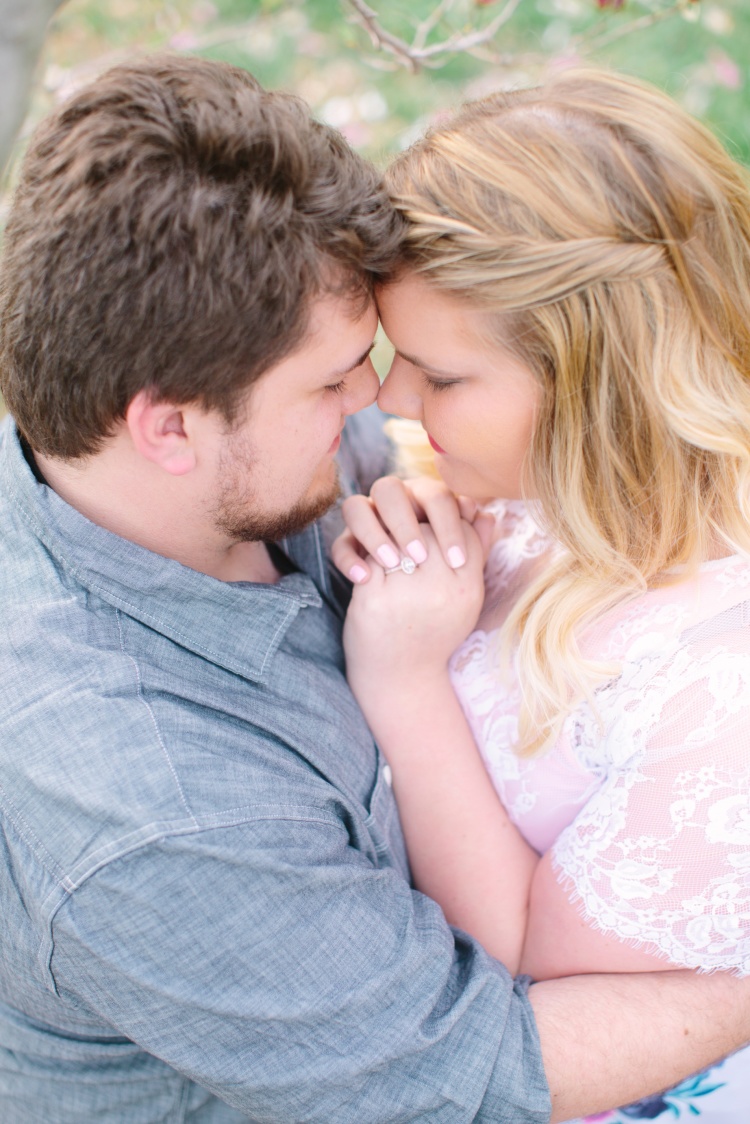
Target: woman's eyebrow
[416, 362]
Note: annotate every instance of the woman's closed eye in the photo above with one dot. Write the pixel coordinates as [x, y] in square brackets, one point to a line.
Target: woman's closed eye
[437, 384]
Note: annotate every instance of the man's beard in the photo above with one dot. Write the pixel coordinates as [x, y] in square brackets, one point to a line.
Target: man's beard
[239, 514]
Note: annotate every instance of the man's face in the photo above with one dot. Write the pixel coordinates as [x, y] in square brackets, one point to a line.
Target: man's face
[276, 468]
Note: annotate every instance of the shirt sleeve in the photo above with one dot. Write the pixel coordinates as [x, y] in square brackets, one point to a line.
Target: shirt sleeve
[275, 966]
[660, 855]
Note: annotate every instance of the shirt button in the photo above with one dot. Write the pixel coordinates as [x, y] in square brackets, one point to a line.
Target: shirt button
[388, 775]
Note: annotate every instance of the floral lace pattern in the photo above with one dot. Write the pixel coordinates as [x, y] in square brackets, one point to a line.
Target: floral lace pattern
[645, 798]
[518, 543]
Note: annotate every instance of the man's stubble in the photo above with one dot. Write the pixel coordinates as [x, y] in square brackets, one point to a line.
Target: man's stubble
[239, 512]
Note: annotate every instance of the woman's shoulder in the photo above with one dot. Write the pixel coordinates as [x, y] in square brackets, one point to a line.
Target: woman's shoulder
[712, 602]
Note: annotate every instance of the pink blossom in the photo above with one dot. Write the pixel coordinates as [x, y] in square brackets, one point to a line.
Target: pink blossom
[726, 72]
[184, 41]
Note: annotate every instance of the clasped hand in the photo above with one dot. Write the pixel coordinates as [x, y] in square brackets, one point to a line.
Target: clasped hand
[401, 627]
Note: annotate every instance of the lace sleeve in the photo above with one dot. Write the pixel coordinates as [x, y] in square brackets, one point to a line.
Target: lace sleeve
[660, 856]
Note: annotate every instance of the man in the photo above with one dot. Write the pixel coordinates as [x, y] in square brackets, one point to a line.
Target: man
[206, 911]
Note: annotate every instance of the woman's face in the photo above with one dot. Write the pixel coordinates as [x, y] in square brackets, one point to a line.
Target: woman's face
[475, 400]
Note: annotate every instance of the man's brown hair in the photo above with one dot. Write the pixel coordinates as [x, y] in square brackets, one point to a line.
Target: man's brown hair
[172, 224]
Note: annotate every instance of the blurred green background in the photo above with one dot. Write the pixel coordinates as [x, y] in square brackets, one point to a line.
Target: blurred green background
[697, 51]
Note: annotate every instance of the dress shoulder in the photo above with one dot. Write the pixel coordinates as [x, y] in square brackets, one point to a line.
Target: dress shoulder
[660, 854]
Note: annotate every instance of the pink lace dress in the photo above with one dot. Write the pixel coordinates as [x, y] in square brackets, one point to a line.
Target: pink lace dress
[644, 801]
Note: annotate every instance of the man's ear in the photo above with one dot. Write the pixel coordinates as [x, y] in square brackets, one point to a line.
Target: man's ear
[159, 433]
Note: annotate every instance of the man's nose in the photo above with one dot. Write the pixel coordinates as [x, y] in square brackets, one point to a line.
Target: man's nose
[364, 389]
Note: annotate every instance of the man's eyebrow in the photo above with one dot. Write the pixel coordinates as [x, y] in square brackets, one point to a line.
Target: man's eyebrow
[357, 363]
[416, 362]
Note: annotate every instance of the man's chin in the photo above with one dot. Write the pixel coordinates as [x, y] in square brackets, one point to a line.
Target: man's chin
[267, 526]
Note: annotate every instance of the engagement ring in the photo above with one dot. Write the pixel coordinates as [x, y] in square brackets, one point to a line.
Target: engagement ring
[408, 565]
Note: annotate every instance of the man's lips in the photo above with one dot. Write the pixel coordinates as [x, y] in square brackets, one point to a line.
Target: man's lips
[334, 445]
[434, 444]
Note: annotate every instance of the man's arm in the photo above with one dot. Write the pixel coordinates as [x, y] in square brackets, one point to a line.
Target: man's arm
[278, 967]
[275, 966]
[610, 1040]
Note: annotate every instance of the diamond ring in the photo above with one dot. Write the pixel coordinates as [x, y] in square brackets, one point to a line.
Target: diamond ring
[407, 565]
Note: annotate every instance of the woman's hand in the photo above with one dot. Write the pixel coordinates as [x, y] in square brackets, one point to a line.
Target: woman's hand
[403, 625]
[402, 628]
[390, 523]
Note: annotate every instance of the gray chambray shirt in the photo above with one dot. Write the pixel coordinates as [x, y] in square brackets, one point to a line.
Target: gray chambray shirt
[206, 912]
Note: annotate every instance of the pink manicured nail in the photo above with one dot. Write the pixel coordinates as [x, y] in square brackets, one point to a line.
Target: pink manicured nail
[456, 557]
[417, 552]
[358, 574]
[388, 556]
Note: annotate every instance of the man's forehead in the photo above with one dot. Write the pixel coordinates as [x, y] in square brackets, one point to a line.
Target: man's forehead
[337, 307]
[339, 330]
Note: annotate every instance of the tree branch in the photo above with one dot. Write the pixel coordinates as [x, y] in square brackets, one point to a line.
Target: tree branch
[416, 54]
[428, 25]
[381, 38]
[458, 43]
[640, 24]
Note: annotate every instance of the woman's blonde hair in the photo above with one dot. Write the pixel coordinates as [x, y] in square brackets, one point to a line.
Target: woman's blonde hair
[607, 235]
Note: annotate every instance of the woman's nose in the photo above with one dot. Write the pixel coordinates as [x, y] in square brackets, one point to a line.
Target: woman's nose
[399, 394]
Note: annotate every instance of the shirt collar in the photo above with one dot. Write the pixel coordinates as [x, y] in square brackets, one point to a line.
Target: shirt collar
[236, 625]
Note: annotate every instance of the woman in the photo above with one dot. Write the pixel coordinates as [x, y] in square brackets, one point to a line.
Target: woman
[572, 330]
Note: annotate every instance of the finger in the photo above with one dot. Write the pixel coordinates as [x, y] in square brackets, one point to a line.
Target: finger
[421, 490]
[397, 513]
[484, 525]
[478, 536]
[347, 557]
[468, 508]
[361, 518]
[441, 510]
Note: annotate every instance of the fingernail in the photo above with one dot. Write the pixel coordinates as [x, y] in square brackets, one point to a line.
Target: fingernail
[456, 557]
[417, 552]
[358, 574]
[388, 556]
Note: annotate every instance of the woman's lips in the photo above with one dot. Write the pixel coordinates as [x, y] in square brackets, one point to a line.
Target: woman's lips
[434, 444]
